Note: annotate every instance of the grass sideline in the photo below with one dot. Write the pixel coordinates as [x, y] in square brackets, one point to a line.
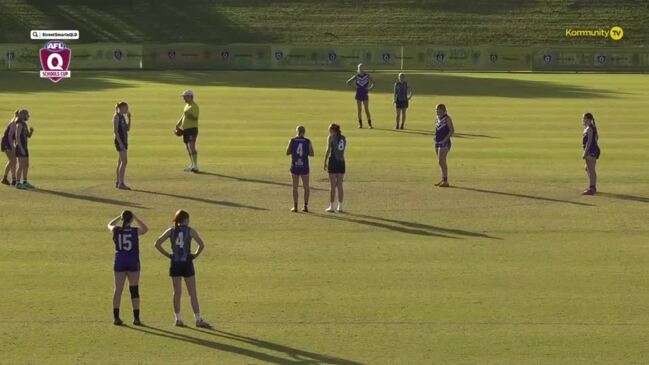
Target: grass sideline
[511, 266]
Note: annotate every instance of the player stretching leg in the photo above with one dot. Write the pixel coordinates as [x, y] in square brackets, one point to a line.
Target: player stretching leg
[443, 131]
[591, 152]
[127, 261]
[23, 134]
[189, 124]
[8, 147]
[334, 163]
[402, 95]
[300, 149]
[182, 263]
[121, 127]
[363, 84]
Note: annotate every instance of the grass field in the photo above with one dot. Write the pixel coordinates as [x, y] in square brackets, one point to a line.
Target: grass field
[511, 266]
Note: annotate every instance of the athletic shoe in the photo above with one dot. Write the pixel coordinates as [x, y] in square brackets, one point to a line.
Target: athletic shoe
[294, 209]
[305, 209]
[14, 182]
[118, 322]
[28, 185]
[188, 169]
[123, 187]
[588, 192]
[195, 170]
[137, 322]
[439, 183]
[330, 209]
[202, 324]
[370, 127]
[340, 210]
[21, 186]
[444, 184]
[5, 181]
[179, 323]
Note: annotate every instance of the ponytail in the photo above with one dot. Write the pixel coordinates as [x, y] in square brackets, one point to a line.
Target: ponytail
[127, 217]
[336, 128]
[119, 105]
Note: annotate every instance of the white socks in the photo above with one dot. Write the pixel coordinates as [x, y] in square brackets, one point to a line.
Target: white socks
[198, 317]
[178, 317]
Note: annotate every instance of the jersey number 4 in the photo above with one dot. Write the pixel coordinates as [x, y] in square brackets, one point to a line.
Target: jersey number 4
[299, 150]
[180, 240]
[124, 242]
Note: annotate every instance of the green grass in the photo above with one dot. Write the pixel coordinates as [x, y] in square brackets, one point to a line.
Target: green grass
[512, 266]
[375, 22]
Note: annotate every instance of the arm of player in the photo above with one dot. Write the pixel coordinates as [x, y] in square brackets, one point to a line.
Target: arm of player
[118, 138]
[143, 229]
[113, 223]
[160, 241]
[128, 121]
[311, 152]
[288, 149]
[410, 93]
[589, 142]
[19, 130]
[349, 82]
[451, 129]
[199, 242]
[371, 84]
[394, 100]
[326, 158]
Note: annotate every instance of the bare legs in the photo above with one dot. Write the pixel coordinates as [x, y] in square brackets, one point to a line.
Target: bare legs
[591, 171]
[190, 283]
[122, 161]
[193, 154]
[401, 116]
[336, 181]
[11, 165]
[133, 281]
[442, 153]
[360, 105]
[307, 191]
[23, 168]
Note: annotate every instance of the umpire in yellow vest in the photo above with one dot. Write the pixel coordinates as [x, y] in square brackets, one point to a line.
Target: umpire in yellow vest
[189, 124]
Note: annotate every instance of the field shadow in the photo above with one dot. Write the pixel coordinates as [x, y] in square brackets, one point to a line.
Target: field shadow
[525, 196]
[428, 227]
[90, 198]
[635, 198]
[297, 356]
[200, 200]
[254, 181]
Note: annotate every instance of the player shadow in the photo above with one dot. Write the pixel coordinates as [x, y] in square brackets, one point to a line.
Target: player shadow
[473, 135]
[428, 227]
[635, 198]
[297, 354]
[254, 181]
[90, 198]
[517, 195]
[419, 231]
[313, 358]
[406, 131]
[200, 200]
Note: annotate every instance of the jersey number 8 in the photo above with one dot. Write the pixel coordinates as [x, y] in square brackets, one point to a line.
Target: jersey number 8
[341, 145]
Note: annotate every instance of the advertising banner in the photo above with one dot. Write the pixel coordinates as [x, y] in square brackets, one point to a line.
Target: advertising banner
[335, 58]
[20, 56]
[106, 56]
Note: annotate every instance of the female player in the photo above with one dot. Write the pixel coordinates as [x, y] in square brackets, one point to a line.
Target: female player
[443, 131]
[591, 152]
[121, 127]
[23, 133]
[7, 146]
[188, 124]
[402, 95]
[300, 149]
[127, 261]
[363, 84]
[334, 163]
[182, 263]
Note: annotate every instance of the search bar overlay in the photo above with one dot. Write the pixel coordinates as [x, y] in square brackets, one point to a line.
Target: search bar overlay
[54, 34]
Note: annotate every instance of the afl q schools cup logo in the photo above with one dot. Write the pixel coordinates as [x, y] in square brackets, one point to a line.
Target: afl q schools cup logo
[55, 61]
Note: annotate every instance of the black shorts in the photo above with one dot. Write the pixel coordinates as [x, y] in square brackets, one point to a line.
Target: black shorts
[182, 268]
[22, 152]
[594, 152]
[190, 135]
[118, 149]
[401, 104]
[335, 166]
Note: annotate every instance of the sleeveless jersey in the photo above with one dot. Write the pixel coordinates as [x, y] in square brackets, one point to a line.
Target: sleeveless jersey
[24, 135]
[401, 91]
[127, 241]
[362, 81]
[180, 243]
[300, 148]
[122, 129]
[338, 146]
[441, 128]
[593, 144]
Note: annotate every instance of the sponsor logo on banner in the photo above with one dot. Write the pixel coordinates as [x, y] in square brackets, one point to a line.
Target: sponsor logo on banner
[55, 61]
[601, 59]
[279, 55]
[547, 58]
[332, 56]
[440, 57]
[493, 57]
[11, 55]
[225, 55]
[387, 57]
[171, 55]
[118, 54]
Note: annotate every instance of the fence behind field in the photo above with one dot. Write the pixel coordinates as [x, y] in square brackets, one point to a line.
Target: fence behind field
[190, 56]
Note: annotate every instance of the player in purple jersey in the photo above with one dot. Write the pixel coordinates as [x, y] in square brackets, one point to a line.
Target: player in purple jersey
[121, 127]
[443, 131]
[402, 95]
[300, 149]
[363, 83]
[8, 147]
[23, 134]
[591, 151]
[127, 261]
[182, 263]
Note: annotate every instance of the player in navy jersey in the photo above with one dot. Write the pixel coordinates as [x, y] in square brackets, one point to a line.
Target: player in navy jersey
[363, 83]
[402, 95]
[121, 127]
[7, 145]
[182, 263]
[334, 164]
[23, 134]
[127, 261]
[443, 131]
[300, 149]
[591, 151]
